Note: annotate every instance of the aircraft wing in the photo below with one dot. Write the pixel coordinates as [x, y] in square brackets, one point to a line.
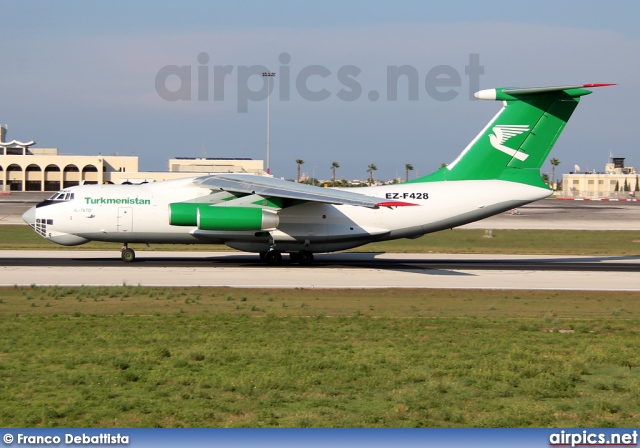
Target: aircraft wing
[268, 186]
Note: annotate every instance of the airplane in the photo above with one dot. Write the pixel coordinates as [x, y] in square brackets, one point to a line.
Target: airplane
[499, 170]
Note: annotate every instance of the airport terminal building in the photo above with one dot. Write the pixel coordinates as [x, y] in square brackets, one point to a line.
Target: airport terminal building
[617, 181]
[25, 168]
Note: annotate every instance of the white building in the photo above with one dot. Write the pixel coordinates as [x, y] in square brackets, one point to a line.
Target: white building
[24, 168]
[602, 184]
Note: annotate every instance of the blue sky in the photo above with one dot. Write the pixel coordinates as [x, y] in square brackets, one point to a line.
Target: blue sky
[82, 76]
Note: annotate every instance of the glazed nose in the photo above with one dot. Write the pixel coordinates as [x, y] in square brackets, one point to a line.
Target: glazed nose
[30, 216]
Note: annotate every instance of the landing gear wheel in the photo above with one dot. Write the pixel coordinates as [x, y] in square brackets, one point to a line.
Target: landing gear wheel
[305, 257]
[273, 257]
[128, 255]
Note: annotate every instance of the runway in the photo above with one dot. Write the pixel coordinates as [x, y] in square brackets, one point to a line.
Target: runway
[340, 270]
[550, 214]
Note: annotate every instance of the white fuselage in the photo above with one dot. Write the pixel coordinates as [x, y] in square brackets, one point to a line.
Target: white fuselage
[140, 214]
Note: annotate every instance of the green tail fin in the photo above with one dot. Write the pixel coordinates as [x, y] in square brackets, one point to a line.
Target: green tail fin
[516, 142]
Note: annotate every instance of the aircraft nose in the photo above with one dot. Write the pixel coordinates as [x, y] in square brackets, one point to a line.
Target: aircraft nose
[30, 216]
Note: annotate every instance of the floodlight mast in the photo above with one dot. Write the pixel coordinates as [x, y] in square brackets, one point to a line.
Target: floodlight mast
[268, 74]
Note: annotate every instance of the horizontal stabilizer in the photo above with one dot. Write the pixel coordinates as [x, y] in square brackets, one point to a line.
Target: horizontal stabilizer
[508, 92]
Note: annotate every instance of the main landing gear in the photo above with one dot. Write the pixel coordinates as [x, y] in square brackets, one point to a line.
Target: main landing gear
[128, 255]
[274, 257]
[305, 257]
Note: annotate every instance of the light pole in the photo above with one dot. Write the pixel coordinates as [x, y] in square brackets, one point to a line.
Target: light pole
[268, 74]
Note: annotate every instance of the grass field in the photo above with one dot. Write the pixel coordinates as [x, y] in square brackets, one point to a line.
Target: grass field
[549, 242]
[202, 357]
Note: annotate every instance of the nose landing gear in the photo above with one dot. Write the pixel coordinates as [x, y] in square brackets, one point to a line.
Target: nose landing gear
[128, 255]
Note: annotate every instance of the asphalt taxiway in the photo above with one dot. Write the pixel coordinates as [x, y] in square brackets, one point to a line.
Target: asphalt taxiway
[341, 270]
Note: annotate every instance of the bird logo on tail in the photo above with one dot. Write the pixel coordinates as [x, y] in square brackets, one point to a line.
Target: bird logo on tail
[502, 133]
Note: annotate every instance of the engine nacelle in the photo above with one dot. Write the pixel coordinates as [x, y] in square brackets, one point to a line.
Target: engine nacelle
[236, 218]
[184, 213]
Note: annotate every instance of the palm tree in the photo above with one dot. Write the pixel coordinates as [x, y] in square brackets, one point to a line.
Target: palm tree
[545, 178]
[334, 165]
[554, 163]
[371, 168]
[299, 162]
[408, 167]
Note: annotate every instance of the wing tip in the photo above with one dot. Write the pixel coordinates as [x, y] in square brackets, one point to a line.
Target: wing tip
[395, 204]
[599, 85]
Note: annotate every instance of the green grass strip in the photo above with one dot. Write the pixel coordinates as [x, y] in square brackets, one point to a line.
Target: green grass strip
[215, 357]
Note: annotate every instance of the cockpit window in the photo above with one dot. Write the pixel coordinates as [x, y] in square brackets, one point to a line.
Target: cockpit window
[61, 196]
